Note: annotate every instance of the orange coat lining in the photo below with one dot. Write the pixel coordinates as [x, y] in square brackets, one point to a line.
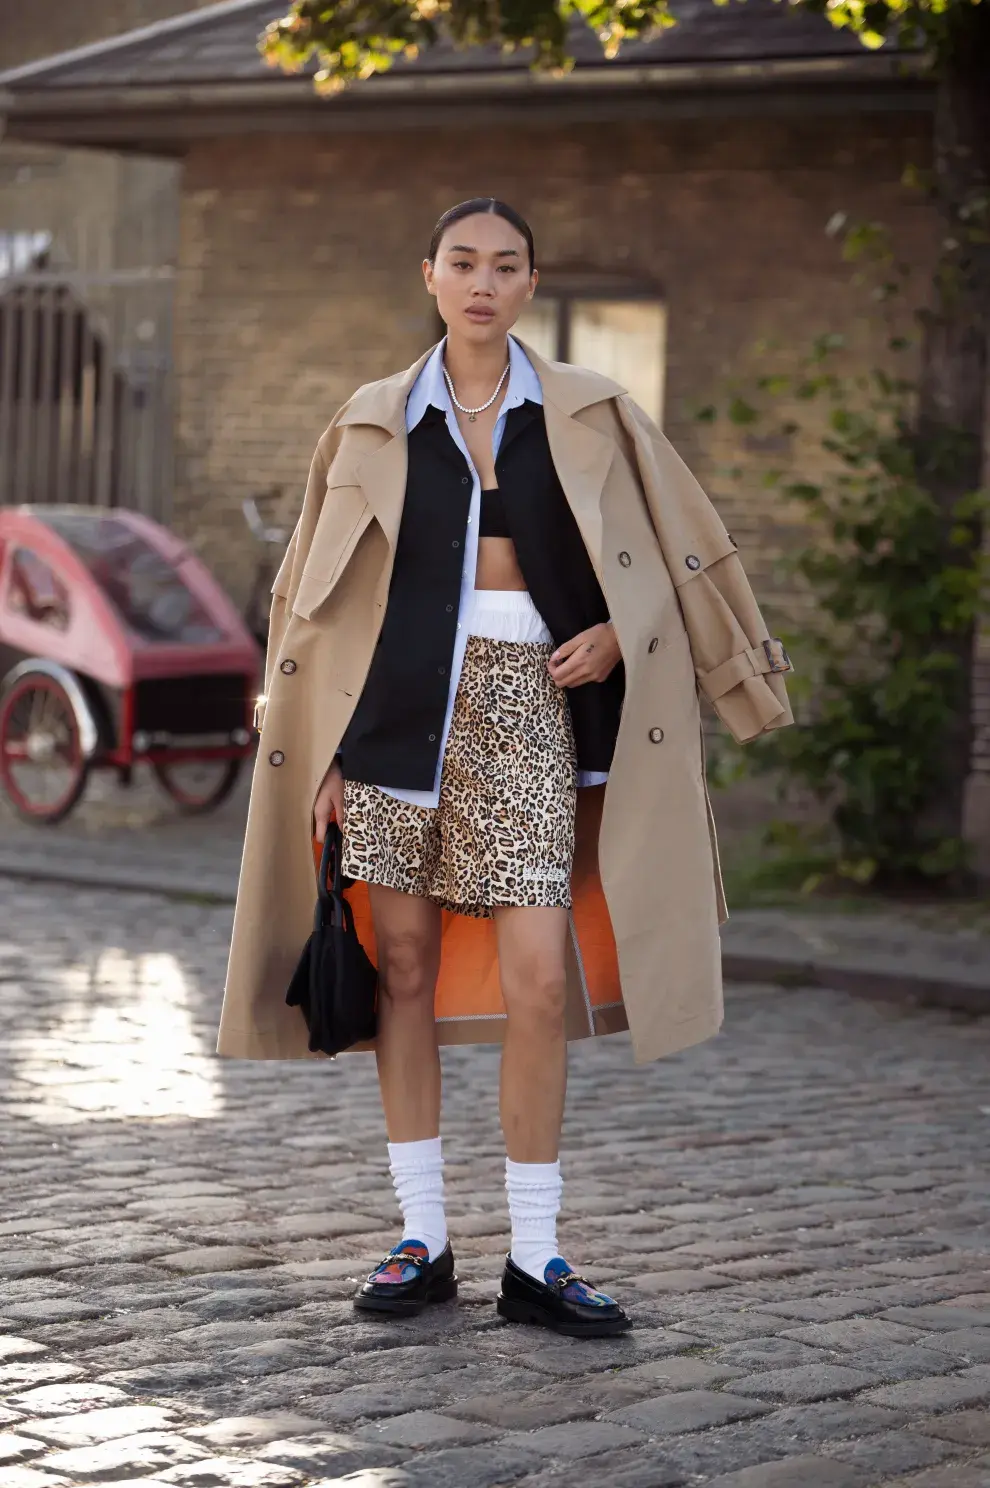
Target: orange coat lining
[468, 983]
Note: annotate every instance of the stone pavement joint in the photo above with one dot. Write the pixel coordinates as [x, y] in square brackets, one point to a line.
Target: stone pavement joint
[804, 1382]
[971, 1427]
[958, 1475]
[797, 1472]
[795, 1215]
[946, 1392]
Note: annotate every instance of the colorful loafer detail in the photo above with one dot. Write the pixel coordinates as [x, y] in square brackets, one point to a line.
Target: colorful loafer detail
[406, 1280]
[564, 1302]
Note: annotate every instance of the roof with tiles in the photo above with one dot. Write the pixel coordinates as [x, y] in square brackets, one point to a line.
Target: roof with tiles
[219, 44]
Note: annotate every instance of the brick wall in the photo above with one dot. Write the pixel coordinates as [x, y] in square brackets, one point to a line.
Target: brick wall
[300, 278]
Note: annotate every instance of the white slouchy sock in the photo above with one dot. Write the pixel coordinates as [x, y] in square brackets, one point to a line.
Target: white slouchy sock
[534, 1191]
[417, 1175]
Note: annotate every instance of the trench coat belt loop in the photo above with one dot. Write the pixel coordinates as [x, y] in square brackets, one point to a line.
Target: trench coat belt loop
[756, 662]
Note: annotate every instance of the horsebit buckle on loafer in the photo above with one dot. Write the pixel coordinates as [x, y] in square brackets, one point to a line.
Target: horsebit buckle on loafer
[559, 1283]
[399, 1255]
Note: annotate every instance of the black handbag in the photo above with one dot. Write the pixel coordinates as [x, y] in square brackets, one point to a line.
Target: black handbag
[335, 983]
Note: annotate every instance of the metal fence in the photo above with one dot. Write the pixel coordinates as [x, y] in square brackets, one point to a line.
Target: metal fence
[85, 346]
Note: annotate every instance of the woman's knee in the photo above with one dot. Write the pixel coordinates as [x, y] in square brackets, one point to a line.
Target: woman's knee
[535, 994]
[407, 967]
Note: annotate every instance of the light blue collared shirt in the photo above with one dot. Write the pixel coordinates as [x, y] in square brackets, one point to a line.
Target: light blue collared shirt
[430, 390]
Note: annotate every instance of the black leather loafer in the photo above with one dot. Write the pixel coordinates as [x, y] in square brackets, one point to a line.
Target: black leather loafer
[566, 1302]
[406, 1280]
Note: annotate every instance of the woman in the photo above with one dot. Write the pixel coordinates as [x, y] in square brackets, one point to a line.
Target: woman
[504, 590]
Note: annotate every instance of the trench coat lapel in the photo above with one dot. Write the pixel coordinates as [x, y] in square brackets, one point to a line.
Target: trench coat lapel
[382, 478]
[382, 474]
[582, 459]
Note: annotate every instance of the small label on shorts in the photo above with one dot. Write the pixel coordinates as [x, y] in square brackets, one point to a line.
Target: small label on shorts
[546, 873]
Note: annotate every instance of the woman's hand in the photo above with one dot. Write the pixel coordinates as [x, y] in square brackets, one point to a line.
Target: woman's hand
[330, 801]
[589, 657]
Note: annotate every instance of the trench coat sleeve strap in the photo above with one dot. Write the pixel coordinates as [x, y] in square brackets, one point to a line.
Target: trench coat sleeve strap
[725, 628]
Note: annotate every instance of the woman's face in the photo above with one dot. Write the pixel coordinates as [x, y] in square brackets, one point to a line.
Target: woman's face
[481, 278]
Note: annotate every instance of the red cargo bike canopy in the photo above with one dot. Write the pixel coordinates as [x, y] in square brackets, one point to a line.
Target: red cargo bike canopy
[113, 595]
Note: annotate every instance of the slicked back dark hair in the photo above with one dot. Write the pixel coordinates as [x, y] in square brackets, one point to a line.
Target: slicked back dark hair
[483, 204]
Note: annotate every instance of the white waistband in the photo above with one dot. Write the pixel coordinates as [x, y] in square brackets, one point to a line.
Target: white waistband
[506, 615]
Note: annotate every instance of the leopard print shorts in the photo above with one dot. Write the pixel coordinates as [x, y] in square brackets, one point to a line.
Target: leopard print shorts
[503, 833]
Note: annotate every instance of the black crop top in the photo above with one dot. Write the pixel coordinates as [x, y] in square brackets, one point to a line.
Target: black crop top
[493, 522]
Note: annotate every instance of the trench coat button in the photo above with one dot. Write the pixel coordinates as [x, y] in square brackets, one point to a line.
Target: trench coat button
[276, 757]
[455, 543]
[654, 643]
[465, 481]
[450, 609]
[288, 667]
[625, 559]
[433, 738]
[656, 736]
[442, 671]
[693, 562]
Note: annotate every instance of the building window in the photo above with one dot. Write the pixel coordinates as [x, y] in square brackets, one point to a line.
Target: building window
[623, 338]
[36, 590]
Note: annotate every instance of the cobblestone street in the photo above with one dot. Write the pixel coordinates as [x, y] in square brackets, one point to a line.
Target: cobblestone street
[797, 1216]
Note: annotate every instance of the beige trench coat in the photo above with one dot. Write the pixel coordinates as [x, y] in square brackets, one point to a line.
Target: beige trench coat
[644, 948]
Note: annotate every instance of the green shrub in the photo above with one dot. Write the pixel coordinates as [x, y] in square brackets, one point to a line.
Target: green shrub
[894, 583]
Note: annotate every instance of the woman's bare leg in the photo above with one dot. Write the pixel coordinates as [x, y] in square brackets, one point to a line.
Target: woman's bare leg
[532, 969]
[532, 962]
[407, 933]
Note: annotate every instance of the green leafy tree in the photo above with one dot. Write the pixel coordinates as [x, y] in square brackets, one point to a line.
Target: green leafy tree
[353, 39]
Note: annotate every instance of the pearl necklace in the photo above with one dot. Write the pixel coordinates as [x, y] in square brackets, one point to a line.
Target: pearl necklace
[472, 413]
